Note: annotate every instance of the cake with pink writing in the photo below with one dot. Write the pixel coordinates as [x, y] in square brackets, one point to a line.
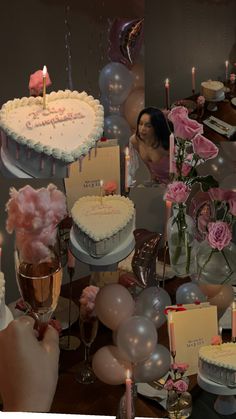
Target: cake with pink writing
[44, 142]
[100, 225]
[218, 363]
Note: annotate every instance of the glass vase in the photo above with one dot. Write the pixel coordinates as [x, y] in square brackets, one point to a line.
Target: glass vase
[179, 406]
[215, 266]
[181, 242]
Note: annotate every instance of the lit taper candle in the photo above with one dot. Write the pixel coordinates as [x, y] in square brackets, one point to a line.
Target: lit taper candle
[44, 86]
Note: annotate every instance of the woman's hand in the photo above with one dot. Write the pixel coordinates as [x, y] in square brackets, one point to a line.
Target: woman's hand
[28, 367]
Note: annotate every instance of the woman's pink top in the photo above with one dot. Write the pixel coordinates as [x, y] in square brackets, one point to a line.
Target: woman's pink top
[160, 171]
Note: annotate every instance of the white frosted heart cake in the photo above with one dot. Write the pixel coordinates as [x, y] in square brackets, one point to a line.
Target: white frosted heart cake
[212, 90]
[43, 142]
[2, 302]
[218, 363]
[101, 226]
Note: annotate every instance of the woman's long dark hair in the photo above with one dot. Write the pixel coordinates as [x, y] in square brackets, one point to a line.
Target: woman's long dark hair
[161, 128]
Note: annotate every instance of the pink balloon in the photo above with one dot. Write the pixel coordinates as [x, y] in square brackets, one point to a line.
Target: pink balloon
[125, 40]
[108, 365]
[210, 290]
[138, 73]
[133, 105]
[223, 299]
[113, 305]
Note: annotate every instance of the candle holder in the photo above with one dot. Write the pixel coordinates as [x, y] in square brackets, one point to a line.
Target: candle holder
[70, 342]
[122, 411]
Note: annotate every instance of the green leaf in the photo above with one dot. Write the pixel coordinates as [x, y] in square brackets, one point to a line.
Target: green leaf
[207, 182]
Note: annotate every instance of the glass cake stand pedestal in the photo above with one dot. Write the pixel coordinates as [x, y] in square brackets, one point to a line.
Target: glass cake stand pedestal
[107, 263]
[225, 403]
[8, 169]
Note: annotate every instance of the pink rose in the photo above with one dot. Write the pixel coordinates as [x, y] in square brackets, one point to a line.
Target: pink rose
[216, 340]
[219, 235]
[186, 128]
[177, 111]
[186, 168]
[36, 82]
[177, 192]
[169, 385]
[181, 386]
[232, 77]
[217, 194]
[204, 147]
[231, 198]
[110, 187]
[201, 101]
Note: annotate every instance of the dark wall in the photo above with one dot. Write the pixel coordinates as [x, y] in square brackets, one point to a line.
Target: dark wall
[183, 34]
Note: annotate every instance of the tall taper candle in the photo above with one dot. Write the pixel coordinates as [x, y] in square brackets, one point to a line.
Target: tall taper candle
[101, 190]
[44, 86]
[128, 395]
[233, 317]
[193, 80]
[167, 90]
[171, 152]
[127, 163]
[172, 335]
[226, 70]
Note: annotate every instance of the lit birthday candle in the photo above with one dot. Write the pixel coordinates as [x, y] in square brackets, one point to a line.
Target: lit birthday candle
[127, 163]
[44, 86]
[193, 80]
[226, 70]
[167, 90]
[128, 395]
[101, 190]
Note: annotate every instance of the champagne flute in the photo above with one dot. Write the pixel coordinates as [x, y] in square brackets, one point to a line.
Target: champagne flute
[88, 332]
[39, 285]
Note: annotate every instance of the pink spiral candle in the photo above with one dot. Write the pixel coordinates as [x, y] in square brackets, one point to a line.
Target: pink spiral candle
[128, 395]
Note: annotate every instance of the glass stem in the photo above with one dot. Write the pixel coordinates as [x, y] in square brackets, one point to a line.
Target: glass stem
[86, 353]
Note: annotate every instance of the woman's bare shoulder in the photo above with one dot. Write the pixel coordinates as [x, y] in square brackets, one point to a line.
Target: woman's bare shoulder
[133, 140]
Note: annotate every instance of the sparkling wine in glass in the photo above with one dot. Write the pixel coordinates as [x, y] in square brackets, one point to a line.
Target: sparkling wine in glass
[88, 332]
[39, 285]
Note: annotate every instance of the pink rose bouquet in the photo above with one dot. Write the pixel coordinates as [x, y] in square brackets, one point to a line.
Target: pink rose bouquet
[219, 226]
[177, 386]
[34, 215]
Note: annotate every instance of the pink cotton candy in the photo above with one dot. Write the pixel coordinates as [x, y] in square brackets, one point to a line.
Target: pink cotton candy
[185, 128]
[204, 148]
[110, 187]
[87, 301]
[34, 215]
[216, 340]
[36, 82]
[177, 111]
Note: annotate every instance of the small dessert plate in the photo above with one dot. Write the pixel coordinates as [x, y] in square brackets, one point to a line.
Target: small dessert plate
[233, 101]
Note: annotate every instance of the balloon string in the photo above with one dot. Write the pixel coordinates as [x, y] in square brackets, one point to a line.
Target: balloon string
[68, 47]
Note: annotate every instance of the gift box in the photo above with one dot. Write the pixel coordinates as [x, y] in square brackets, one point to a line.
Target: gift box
[193, 326]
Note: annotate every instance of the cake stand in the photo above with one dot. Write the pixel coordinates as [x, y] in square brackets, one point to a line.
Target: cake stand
[212, 106]
[106, 263]
[9, 170]
[225, 403]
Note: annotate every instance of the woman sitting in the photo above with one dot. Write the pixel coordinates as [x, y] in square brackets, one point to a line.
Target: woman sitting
[151, 142]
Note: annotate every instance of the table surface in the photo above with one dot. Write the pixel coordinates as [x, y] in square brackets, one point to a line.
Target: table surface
[99, 398]
[225, 111]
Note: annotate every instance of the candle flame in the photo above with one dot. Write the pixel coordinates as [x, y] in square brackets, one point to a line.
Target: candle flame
[167, 82]
[226, 63]
[168, 204]
[1, 239]
[126, 151]
[44, 71]
[101, 183]
[128, 374]
[193, 70]
[234, 305]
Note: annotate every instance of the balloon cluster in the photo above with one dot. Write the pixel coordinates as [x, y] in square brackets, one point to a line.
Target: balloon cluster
[219, 295]
[121, 81]
[134, 326]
